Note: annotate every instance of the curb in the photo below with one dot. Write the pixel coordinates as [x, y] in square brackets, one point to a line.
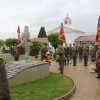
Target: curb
[69, 94]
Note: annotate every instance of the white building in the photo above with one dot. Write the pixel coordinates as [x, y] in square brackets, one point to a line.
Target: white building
[71, 33]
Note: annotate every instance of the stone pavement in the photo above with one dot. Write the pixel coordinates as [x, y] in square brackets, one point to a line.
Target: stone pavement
[87, 86]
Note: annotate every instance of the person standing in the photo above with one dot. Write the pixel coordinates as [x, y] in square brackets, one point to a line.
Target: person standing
[67, 53]
[43, 51]
[80, 51]
[85, 54]
[74, 55]
[4, 88]
[98, 62]
[93, 52]
[16, 53]
[60, 51]
[70, 51]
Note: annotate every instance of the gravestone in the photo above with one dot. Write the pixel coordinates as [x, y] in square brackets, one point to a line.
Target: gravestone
[26, 42]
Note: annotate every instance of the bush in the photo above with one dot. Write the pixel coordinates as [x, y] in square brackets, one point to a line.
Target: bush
[11, 41]
[54, 40]
[35, 46]
[1, 42]
[93, 59]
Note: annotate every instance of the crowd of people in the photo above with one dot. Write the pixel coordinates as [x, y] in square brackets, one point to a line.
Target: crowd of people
[65, 53]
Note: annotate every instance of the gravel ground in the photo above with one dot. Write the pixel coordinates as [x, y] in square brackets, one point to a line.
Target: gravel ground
[87, 86]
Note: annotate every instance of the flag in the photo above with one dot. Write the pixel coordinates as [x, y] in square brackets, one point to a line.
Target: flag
[98, 32]
[19, 38]
[61, 34]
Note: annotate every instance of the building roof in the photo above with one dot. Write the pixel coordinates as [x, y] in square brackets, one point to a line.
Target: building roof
[66, 28]
[44, 40]
[86, 38]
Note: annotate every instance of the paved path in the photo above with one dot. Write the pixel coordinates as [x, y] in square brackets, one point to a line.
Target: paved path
[87, 86]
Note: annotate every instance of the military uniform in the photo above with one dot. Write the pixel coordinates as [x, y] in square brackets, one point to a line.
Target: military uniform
[16, 53]
[98, 62]
[80, 50]
[93, 53]
[4, 88]
[74, 55]
[85, 55]
[70, 52]
[43, 52]
[60, 51]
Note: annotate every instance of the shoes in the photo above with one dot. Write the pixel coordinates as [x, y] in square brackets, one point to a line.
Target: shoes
[85, 65]
[74, 65]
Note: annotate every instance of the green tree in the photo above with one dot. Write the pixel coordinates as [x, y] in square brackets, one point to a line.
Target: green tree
[42, 33]
[11, 41]
[54, 40]
[35, 46]
[1, 42]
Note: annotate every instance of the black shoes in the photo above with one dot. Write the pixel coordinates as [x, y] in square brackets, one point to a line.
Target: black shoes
[85, 65]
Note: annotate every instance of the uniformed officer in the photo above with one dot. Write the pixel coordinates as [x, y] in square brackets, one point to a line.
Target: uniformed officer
[4, 88]
[80, 51]
[70, 51]
[98, 62]
[93, 52]
[16, 53]
[60, 51]
[43, 51]
[67, 53]
[74, 55]
[85, 54]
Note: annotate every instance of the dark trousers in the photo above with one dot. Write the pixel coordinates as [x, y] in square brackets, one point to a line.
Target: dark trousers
[16, 58]
[98, 69]
[67, 59]
[74, 60]
[42, 57]
[70, 54]
[4, 95]
[80, 56]
[61, 63]
[85, 60]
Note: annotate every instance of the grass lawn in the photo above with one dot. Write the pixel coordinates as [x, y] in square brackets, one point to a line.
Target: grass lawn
[44, 89]
[31, 57]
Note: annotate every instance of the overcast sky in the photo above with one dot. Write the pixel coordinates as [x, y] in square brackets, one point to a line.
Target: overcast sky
[47, 13]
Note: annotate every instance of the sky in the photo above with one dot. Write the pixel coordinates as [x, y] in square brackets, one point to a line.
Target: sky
[47, 13]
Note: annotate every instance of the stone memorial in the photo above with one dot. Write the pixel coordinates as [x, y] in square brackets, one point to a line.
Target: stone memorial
[26, 42]
[20, 72]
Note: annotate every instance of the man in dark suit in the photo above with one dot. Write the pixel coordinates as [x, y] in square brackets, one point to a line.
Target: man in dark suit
[67, 54]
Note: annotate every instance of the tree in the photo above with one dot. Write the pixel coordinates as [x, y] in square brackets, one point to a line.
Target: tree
[42, 33]
[35, 46]
[11, 42]
[1, 42]
[54, 40]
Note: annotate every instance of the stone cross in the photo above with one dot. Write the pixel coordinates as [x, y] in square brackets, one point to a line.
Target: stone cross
[26, 42]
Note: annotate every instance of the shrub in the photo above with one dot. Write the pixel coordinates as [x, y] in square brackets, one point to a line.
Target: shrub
[54, 40]
[1, 42]
[35, 46]
[11, 42]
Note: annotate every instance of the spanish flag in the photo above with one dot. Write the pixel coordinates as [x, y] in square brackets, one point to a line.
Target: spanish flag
[98, 32]
[61, 34]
